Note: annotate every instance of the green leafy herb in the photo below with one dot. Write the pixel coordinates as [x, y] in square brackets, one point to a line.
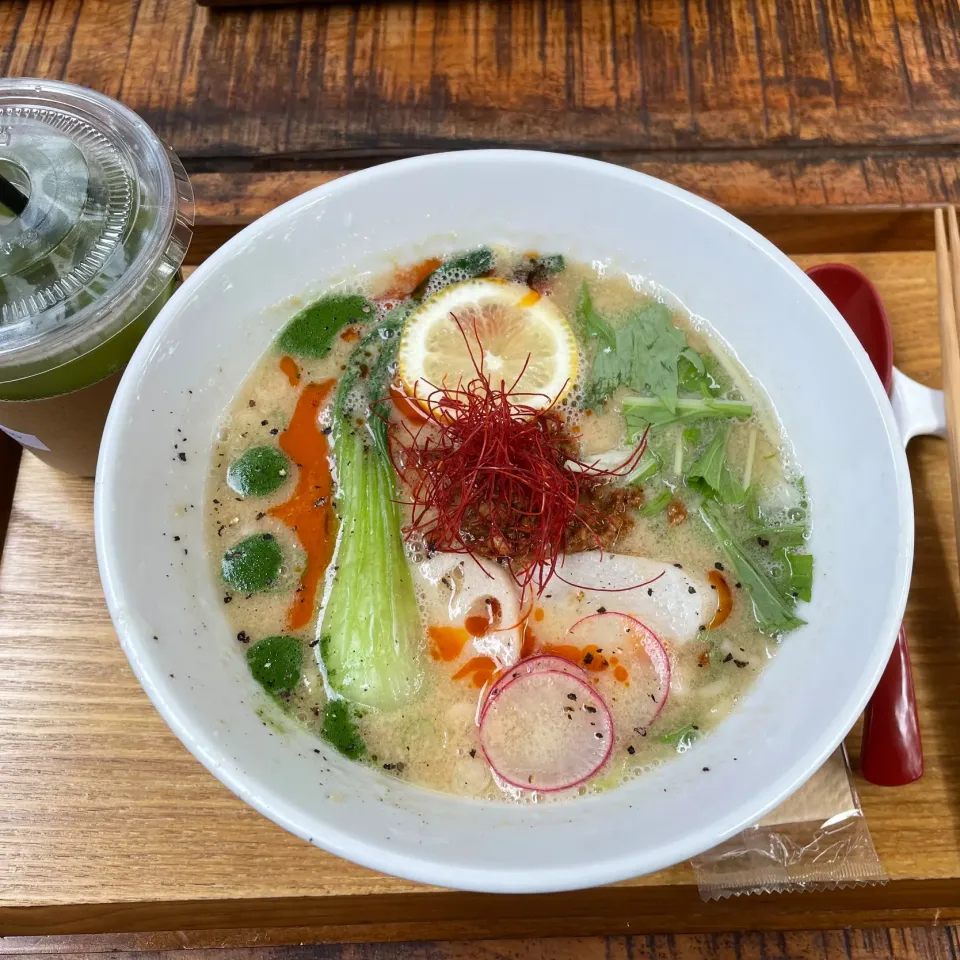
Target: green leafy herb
[382, 370]
[648, 348]
[691, 435]
[253, 564]
[799, 569]
[275, 663]
[312, 331]
[773, 612]
[643, 412]
[592, 324]
[258, 472]
[751, 504]
[340, 730]
[789, 535]
[682, 738]
[382, 343]
[648, 467]
[655, 506]
[464, 266]
[695, 374]
[710, 476]
[550, 264]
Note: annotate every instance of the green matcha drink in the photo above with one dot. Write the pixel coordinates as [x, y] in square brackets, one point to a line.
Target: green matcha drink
[95, 221]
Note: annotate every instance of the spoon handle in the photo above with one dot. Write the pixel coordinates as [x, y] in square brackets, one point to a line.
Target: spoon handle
[891, 753]
[919, 410]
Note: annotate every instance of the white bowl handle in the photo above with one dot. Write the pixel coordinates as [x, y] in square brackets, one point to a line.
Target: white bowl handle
[918, 409]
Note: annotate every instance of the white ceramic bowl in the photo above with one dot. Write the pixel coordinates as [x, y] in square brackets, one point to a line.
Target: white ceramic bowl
[168, 610]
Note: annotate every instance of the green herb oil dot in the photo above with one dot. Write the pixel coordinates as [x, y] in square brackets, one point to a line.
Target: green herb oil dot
[258, 472]
[312, 331]
[253, 564]
[340, 730]
[275, 662]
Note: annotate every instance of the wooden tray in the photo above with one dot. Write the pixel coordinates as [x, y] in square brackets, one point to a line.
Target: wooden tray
[107, 824]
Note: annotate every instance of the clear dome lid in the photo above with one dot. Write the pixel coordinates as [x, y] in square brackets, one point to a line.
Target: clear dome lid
[106, 222]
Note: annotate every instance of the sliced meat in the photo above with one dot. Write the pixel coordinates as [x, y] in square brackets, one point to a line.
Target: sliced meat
[672, 602]
[456, 587]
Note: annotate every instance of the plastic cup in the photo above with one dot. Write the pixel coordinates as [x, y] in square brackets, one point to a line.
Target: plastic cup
[87, 264]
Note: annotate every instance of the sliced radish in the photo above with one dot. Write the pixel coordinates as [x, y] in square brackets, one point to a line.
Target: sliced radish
[597, 629]
[536, 664]
[546, 730]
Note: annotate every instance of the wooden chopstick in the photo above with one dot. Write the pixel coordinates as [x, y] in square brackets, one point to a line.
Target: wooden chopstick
[948, 300]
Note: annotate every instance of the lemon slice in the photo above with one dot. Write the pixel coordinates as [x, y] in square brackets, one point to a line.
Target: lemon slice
[519, 339]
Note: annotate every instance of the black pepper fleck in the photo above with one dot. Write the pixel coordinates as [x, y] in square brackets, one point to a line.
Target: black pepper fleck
[182, 456]
[631, 750]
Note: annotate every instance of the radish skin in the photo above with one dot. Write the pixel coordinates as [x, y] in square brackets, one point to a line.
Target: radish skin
[546, 731]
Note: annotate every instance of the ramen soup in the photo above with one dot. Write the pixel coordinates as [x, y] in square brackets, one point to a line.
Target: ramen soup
[505, 525]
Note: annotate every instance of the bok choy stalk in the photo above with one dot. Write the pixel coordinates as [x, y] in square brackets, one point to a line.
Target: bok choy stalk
[369, 630]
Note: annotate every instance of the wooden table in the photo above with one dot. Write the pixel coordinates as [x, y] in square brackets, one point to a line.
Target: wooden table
[832, 127]
[769, 107]
[107, 824]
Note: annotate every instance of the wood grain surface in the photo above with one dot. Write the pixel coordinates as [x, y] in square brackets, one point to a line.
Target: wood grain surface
[789, 184]
[911, 943]
[798, 233]
[582, 75]
[108, 824]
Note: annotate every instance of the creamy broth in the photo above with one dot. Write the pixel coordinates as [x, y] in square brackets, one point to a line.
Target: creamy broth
[433, 738]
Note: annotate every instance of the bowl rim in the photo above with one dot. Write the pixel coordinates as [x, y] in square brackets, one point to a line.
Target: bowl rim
[375, 856]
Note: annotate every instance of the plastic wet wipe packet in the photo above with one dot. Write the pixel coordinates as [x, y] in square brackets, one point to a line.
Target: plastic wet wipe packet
[817, 839]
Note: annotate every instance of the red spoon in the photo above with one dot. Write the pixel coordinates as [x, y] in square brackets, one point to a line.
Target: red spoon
[891, 753]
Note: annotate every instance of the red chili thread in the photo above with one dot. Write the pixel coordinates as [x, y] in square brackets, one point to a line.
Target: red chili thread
[488, 475]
